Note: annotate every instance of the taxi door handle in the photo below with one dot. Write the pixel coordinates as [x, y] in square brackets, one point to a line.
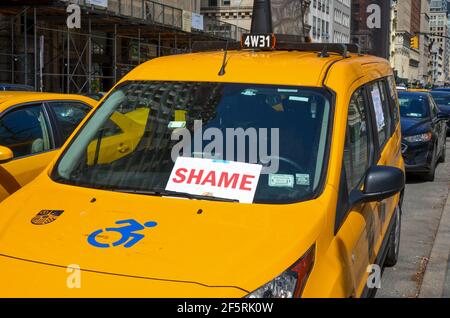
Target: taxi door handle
[123, 148]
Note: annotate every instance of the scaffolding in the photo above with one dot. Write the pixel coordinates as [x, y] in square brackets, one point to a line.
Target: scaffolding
[37, 48]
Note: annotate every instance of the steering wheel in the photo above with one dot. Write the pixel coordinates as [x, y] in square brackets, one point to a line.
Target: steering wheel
[286, 160]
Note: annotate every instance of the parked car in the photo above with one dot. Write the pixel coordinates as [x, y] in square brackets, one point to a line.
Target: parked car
[32, 127]
[442, 89]
[424, 130]
[442, 99]
[16, 87]
[159, 218]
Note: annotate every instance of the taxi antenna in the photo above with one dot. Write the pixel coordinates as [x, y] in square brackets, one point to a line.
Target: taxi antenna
[262, 17]
[224, 62]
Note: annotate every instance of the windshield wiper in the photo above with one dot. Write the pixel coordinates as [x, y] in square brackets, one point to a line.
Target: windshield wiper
[168, 193]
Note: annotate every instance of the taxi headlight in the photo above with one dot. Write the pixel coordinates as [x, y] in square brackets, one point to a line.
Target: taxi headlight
[419, 138]
[290, 283]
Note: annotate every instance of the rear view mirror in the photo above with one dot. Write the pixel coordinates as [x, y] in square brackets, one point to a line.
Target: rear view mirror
[381, 182]
[6, 154]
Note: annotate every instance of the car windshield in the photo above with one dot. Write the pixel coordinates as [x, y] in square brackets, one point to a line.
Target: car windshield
[413, 105]
[133, 140]
[441, 98]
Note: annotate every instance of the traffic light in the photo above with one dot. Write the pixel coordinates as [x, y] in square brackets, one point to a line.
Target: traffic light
[415, 42]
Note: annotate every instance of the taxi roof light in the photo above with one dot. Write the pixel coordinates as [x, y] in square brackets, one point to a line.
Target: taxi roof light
[282, 43]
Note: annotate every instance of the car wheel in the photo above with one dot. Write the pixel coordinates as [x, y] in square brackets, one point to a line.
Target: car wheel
[443, 154]
[429, 176]
[394, 240]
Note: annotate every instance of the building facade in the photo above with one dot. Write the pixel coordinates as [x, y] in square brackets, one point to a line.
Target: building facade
[402, 54]
[440, 45]
[425, 62]
[373, 40]
[237, 12]
[320, 18]
[410, 42]
[38, 48]
[341, 21]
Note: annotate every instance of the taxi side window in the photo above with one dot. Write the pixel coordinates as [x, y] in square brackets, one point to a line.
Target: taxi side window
[433, 108]
[394, 98]
[380, 105]
[25, 131]
[357, 150]
[68, 116]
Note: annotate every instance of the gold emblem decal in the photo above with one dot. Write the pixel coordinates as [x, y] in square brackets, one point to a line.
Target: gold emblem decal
[46, 217]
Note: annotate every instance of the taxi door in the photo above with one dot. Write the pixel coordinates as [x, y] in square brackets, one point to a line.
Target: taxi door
[370, 225]
[355, 230]
[26, 131]
[388, 140]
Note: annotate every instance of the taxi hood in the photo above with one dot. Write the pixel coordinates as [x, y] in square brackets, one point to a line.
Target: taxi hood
[188, 241]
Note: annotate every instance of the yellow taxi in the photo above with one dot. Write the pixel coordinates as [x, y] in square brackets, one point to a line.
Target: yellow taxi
[418, 90]
[246, 173]
[32, 127]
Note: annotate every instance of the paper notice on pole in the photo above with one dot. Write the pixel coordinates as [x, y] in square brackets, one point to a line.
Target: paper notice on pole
[377, 103]
[197, 21]
[216, 178]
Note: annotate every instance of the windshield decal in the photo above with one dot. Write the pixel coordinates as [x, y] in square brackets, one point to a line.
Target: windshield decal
[129, 236]
[216, 178]
[281, 180]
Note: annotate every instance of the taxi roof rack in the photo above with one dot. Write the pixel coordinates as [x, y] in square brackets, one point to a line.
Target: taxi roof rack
[283, 43]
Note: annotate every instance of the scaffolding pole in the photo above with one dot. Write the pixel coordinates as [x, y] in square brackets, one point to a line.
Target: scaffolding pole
[68, 61]
[139, 46]
[25, 44]
[115, 54]
[13, 62]
[90, 57]
[159, 44]
[35, 51]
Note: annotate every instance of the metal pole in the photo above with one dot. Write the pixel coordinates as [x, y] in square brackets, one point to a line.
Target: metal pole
[115, 54]
[25, 38]
[35, 52]
[175, 40]
[159, 44]
[139, 46]
[68, 61]
[90, 56]
[13, 62]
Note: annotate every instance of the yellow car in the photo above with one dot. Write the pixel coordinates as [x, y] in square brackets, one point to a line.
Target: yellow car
[419, 90]
[32, 127]
[278, 173]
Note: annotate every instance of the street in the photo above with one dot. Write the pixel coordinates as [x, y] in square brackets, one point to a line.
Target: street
[423, 207]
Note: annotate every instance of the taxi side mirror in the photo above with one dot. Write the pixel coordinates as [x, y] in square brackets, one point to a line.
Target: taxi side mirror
[443, 116]
[381, 182]
[6, 154]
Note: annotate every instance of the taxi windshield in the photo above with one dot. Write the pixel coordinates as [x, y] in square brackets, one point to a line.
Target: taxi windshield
[133, 140]
[413, 105]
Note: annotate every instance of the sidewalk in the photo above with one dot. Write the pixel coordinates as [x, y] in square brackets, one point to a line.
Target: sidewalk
[436, 281]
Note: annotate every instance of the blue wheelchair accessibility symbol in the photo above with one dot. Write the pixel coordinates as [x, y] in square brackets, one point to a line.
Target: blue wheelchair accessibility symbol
[128, 233]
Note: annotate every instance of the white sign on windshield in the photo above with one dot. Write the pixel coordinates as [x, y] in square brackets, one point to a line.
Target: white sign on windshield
[377, 103]
[216, 178]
